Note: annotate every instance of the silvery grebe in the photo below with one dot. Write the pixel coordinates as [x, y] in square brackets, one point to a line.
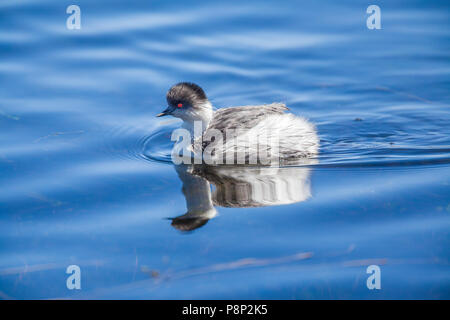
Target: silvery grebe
[287, 136]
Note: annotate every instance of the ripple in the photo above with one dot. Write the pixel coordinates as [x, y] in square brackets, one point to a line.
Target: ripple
[136, 142]
[405, 136]
[393, 136]
[157, 147]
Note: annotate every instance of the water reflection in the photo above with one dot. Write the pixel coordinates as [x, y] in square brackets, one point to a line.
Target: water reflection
[238, 187]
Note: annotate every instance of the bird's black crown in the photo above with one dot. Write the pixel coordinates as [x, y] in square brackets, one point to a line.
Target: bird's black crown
[186, 93]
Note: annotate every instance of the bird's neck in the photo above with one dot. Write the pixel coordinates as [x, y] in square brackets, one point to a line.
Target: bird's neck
[197, 192]
[197, 124]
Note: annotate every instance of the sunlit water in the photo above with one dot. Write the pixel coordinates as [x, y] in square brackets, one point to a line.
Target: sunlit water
[85, 172]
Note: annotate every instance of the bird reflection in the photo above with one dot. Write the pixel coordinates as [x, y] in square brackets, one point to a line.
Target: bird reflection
[238, 187]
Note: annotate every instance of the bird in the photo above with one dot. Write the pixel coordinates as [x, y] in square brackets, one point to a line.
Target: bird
[251, 134]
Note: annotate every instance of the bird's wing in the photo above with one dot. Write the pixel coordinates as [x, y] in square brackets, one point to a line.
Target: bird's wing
[242, 118]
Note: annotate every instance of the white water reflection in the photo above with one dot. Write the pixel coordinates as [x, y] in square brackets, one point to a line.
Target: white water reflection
[238, 187]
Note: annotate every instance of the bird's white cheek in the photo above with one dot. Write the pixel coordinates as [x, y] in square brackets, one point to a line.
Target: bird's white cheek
[178, 113]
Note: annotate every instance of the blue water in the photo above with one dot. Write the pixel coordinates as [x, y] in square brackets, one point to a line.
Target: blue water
[85, 176]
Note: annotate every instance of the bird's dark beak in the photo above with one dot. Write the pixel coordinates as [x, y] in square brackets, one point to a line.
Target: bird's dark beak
[164, 113]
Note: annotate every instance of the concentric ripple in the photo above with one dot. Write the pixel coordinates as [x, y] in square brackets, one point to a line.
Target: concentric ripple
[377, 141]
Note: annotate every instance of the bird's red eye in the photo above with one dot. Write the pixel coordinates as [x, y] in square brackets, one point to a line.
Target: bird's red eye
[180, 105]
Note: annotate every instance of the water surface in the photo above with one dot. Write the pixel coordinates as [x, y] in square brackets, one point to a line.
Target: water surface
[85, 172]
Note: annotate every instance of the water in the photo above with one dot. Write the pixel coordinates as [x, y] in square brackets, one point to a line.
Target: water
[84, 168]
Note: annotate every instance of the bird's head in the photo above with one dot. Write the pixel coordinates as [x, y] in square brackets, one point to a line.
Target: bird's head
[188, 102]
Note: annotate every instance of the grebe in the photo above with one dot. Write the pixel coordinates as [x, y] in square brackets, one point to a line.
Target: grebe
[287, 137]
